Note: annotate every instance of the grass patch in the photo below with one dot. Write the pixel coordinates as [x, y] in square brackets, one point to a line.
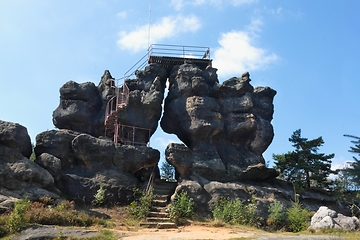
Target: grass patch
[27, 213]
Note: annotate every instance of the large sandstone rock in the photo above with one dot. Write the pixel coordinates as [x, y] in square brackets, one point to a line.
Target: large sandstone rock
[85, 158]
[20, 177]
[80, 108]
[327, 218]
[58, 144]
[87, 162]
[225, 127]
[16, 136]
[145, 102]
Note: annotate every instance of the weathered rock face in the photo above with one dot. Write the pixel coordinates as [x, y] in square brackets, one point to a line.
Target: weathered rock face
[87, 162]
[327, 218]
[20, 177]
[80, 108]
[225, 127]
[207, 193]
[145, 101]
[16, 136]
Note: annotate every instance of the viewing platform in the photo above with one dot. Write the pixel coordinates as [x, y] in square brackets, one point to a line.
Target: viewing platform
[171, 55]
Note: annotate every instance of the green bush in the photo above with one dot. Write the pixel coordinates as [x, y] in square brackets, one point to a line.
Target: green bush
[99, 197]
[182, 207]
[235, 212]
[297, 218]
[16, 220]
[141, 207]
[277, 216]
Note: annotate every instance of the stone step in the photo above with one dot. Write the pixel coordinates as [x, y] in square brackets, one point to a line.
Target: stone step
[159, 203]
[161, 197]
[149, 224]
[158, 219]
[163, 187]
[162, 225]
[162, 214]
[158, 209]
[167, 192]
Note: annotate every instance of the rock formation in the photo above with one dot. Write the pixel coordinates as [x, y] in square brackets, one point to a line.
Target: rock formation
[86, 163]
[327, 218]
[20, 177]
[225, 127]
[15, 136]
[79, 159]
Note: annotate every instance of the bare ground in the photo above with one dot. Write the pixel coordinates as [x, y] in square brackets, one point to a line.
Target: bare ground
[196, 231]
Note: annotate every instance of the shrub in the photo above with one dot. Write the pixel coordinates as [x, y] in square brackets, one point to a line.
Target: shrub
[234, 211]
[16, 221]
[46, 200]
[297, 218]
[141, 207]
[182, 207]
[99, 197]
[277, 214]
[26, 213]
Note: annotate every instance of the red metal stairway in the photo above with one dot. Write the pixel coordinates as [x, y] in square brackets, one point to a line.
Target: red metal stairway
[121, 133]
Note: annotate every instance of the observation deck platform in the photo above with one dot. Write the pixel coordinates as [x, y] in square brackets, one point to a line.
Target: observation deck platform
[169, 56]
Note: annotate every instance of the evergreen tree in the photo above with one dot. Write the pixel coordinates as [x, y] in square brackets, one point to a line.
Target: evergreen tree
[354, 169]
[304, 166]
[167, 170]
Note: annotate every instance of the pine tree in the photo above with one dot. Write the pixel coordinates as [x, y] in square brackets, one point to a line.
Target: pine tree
[354, 169]
[167, 170]
[305, 166]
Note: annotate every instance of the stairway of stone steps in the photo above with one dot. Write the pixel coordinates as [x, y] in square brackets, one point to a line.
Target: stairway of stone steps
[158, 215]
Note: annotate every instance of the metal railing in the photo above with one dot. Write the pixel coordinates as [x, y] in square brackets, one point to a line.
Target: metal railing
[127, 135]
[166, 50]
[179, 51]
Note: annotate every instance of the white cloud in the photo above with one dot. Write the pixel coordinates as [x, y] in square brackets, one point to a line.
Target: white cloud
[276, 11]
[121, 15]
[254, 26]
[237, 54]
[167, 27]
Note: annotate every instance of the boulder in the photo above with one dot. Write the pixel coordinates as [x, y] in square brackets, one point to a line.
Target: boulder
[58, 144]
[15, 135]
[81, 163]
[80, 108]
[20, 178]
[18, 172]
[327, 218]
[51, 163]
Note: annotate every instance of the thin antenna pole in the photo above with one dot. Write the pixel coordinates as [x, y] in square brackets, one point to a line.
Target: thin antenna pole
[149, 24]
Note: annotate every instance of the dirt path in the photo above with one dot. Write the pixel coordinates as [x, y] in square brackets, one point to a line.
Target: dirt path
[202, 232]
[197, 231]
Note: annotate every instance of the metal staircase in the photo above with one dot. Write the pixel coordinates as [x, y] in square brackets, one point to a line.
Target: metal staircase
[121, 133]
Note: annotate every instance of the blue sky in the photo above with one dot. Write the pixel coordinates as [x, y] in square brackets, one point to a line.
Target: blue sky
[308, 51]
